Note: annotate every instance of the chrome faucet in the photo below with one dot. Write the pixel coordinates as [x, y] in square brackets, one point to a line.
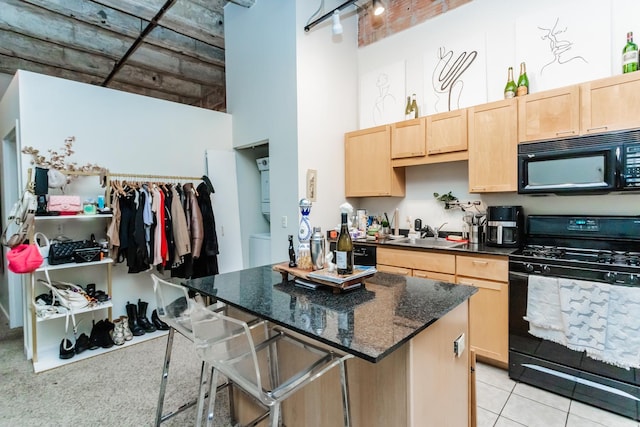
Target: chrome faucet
[436, 230]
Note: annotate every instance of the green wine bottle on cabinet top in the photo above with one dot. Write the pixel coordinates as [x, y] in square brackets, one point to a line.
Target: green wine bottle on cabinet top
[407, 111]
[630, 55]
[414, 106]
[510, 88]
[523, 81]
[344, 248]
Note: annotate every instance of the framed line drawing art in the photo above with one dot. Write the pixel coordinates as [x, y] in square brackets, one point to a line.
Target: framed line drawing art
[382, 96]
[455, 74]
[561, 48]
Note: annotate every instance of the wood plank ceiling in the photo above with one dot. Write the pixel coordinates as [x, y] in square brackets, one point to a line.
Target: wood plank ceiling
[167, 49]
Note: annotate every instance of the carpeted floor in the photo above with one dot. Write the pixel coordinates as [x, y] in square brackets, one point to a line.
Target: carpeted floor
[119, 388]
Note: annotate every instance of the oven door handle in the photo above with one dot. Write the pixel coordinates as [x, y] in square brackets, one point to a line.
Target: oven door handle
[516, 275]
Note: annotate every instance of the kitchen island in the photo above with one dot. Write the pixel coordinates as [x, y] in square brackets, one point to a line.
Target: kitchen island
[401, 330]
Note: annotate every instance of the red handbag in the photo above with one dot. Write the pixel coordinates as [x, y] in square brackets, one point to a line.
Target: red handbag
[24, 258]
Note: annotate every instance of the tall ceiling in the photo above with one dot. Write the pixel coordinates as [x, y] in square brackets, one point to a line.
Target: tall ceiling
[167, 49]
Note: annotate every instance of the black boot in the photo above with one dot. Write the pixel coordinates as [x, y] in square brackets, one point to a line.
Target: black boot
[159, 324]
[134, 326]
[142, 317]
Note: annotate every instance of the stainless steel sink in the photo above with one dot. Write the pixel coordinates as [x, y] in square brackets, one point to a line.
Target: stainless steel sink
[427, 242]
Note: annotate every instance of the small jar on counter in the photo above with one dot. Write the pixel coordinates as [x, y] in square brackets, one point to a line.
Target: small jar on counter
[317, 249]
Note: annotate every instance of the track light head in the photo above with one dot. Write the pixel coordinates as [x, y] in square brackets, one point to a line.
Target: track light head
[378, 7]
[336, 26]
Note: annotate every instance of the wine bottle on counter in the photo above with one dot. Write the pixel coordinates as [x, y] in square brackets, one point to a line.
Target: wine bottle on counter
[510, 88]
[344, 248]
[523, 81]
[414, 106]
[630, 55]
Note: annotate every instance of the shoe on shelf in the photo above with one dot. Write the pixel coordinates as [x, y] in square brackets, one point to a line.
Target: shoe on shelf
[82, 343]
[128, 336]
[117, 333]
[142, 317]
[94, 342]
[158, 323]
[134, 325]
[66, 349]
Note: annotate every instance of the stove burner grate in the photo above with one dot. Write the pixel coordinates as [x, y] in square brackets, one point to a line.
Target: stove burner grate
[623, 258]
[543, 251]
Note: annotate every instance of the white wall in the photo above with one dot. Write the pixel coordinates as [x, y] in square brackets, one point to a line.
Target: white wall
[11, 294]
[261, 95]
[497, 22]
[327, 106]
[123, 132]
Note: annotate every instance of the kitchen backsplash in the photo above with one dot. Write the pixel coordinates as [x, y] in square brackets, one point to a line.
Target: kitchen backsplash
[422, 181]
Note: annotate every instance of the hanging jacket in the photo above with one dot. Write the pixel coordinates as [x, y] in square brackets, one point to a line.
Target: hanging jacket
[207, 263]
[194, 219]
[180, 230]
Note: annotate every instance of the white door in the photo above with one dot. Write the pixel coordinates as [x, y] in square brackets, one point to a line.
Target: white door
[221, 170]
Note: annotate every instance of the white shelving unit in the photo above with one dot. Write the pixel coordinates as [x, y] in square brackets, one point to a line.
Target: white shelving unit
[45, 355]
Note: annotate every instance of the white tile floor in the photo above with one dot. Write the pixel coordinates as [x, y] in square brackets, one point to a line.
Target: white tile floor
[503, 402]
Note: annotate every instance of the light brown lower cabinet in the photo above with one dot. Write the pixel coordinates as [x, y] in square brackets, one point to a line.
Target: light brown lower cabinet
[424, 264]
[421, 383]
[489, 307]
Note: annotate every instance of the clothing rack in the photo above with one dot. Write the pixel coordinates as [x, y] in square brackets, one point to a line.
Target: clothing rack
[147, 177]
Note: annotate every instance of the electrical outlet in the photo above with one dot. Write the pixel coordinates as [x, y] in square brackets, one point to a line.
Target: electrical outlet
[284, 221]
[458, 346]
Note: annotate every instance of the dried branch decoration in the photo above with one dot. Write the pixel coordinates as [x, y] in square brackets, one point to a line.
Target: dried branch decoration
[59, 160]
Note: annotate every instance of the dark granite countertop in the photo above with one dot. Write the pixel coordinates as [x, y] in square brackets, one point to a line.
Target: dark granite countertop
[369, 322]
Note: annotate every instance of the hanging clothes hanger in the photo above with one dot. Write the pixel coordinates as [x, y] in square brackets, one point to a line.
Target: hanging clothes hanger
[207, 181]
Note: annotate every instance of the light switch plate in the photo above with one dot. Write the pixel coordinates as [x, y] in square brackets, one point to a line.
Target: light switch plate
[458, 346]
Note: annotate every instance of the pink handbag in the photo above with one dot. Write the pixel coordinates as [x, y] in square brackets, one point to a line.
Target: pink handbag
[66, 205]
[24, 258]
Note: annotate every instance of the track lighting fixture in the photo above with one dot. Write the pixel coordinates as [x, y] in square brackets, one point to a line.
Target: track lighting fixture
[378, 8]
[336, 26]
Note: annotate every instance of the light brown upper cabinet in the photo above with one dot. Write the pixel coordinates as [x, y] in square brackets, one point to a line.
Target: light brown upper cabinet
[493, 140]
[549, 114]
[610, 104]
[447, 132]
[407, 139]
[598, 106]
[442, 138]
[368, 170]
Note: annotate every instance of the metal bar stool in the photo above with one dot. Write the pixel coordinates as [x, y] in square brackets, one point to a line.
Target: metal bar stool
[227, 345]
[175, 308]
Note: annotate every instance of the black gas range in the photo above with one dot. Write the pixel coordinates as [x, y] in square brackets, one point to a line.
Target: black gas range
[598, 249]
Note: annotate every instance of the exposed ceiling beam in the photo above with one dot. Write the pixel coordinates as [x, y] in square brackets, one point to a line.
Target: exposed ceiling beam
[110, 20]
[186, 18]
[140, 39]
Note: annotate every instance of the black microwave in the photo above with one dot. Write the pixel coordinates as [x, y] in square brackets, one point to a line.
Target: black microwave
[586, 164]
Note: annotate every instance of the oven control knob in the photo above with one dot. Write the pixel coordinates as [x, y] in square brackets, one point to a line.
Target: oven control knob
[546, 269]
[611, 276]
[633, 279]
[528, 267]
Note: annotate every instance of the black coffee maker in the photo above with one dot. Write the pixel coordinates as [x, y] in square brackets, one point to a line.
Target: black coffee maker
[505, 226]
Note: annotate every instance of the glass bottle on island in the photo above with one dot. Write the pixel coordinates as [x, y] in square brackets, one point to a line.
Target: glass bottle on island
[523, 81]
[630, 55]
[510, 88]
[344, 248]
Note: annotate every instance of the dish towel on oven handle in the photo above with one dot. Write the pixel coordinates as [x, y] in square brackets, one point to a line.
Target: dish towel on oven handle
[622, 344]
[585, 308]
[543, 309]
